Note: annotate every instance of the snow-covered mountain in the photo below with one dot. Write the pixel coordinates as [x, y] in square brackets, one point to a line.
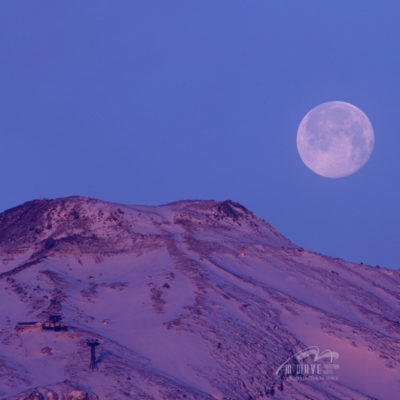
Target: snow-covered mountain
[189, 300]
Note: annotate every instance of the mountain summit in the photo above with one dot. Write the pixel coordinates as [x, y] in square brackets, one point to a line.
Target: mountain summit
[188, 300]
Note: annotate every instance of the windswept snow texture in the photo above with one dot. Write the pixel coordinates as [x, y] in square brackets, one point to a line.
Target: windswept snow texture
[190, 300]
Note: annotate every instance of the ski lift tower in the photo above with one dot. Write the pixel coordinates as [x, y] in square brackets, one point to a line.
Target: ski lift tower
[92, 343]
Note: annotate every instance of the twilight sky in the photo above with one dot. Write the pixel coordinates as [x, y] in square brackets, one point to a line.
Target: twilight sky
[149, 102]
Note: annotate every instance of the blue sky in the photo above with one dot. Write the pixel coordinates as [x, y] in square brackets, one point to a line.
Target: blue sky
[149, 102]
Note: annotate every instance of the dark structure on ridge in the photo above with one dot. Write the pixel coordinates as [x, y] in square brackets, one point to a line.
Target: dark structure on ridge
[93, 343]
[54, 323]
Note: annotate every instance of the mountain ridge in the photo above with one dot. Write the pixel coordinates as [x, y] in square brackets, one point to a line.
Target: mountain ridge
[219, 300]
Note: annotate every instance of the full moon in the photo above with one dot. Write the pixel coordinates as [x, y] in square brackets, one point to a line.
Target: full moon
[335, 139]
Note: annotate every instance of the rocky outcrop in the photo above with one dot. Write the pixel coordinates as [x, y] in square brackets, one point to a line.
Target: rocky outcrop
[63, 391]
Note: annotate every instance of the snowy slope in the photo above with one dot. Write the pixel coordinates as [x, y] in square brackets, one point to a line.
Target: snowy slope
[189, 300]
